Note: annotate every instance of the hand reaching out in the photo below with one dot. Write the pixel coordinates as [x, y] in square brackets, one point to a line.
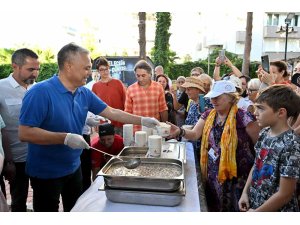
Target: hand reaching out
[149, 122]
[174, 132]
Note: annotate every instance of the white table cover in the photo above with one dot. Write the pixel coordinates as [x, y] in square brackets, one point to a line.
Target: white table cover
[93, 200]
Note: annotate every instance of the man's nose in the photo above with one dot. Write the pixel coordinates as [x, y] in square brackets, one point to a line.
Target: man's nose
[35, 72]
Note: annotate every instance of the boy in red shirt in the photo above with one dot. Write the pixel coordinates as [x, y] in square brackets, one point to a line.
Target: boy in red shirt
[108, 142]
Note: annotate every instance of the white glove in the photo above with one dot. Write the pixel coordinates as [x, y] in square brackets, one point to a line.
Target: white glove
[94, 121]
[76, 141]
[149, 122]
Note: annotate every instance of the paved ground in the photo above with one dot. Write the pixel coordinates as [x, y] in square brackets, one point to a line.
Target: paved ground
[29, 198]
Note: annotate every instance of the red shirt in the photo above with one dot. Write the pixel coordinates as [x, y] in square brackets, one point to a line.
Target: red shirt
[113, 93]
[98, 158]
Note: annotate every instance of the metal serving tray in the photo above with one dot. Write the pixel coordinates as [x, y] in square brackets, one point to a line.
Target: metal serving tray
[145, 197]
[134, 151]
[173, 150]
[143, 182]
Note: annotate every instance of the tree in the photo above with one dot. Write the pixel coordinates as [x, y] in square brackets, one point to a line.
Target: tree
[5, 55]
[187, 58]
[142, 34]
[161, 54]
[89, 39]
[248, 41]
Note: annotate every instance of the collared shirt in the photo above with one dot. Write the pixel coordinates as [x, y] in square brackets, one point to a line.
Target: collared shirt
[50, 106]
[148, 101]
[11, 95]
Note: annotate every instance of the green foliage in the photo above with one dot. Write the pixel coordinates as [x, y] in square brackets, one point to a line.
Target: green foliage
[5, 70]
[187, 58]
[5, 55]
[47, 70]
[45, 55]
[184, 69]
[161, 53]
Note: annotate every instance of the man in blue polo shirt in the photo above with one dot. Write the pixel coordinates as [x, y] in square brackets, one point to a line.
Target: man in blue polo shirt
[52, 117]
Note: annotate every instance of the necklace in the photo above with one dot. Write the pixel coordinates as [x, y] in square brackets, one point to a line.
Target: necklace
[220, 120]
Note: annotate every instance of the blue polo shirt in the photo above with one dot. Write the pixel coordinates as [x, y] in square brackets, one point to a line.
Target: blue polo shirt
[50, 106]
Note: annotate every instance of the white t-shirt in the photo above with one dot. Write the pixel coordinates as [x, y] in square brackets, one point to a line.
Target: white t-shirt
[244, 103]
[2, 125]
[11, 96]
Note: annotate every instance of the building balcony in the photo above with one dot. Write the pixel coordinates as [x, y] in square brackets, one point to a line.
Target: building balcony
[272, 32]
[240, 37]
[274, 56]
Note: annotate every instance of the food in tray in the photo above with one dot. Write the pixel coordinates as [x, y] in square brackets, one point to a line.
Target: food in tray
[146, 170]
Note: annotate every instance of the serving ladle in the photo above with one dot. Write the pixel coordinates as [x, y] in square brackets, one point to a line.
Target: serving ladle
[128, 163]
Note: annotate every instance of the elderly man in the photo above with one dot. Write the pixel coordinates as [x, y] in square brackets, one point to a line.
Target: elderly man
[26, 68]
[146, 97]
[52, 117]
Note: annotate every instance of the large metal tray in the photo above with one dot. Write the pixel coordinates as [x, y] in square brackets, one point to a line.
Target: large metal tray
[143, 182]
[145, 197]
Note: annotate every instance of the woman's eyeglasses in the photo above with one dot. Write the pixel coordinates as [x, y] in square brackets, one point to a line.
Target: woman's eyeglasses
[103, 70]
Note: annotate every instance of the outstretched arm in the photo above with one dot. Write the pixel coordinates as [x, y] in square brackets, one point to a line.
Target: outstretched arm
[216, 74]
[234, 69]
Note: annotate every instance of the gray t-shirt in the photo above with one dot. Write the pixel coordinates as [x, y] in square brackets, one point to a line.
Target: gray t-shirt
[11, 96]
[2, 125]
[275, 157]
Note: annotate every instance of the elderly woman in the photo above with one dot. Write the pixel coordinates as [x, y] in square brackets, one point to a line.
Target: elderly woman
[193, 87]
[228, 136]
[252, 90]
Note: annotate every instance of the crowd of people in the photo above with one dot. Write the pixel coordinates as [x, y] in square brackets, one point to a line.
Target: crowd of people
[245, 132]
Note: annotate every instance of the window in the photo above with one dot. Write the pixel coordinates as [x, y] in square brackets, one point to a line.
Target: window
[275, 19]
[272, 19]
[296, 17]
[269, 21]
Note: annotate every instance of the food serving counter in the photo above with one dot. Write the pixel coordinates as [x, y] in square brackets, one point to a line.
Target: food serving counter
[93, 200]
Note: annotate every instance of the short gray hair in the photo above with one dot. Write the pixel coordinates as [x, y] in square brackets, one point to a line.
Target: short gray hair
[67, 53]
[254, 83]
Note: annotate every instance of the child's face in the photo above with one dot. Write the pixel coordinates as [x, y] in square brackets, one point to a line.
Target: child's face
[265, 115]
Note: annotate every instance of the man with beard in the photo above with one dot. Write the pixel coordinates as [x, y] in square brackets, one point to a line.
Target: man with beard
[26, 68]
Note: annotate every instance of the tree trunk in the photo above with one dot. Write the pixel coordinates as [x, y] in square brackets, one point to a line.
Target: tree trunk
[248, 41]
[142, 34]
